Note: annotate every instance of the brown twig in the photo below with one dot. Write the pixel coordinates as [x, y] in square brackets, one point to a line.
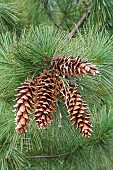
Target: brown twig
[79, 24]
[51, 156]
[74, 150]
[50, 15]
[57, 156]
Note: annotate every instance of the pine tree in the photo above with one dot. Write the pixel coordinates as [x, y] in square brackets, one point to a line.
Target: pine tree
[31, 44]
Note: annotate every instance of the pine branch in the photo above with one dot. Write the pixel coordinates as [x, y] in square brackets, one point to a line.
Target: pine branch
[79, 24]
[47, 9]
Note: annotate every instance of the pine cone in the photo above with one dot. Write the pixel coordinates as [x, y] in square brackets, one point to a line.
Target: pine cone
[41, 93]
[46, 97]
[24, 101]
[72, 67]
[77, 110]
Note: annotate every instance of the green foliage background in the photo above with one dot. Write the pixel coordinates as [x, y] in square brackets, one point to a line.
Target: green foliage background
[31, 32]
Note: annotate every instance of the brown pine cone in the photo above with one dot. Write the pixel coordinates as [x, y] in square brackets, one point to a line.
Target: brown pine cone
[77, 110]
[23, 106]
[46, 97]
[68, 66]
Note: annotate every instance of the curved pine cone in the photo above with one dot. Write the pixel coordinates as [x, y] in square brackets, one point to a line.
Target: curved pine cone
[46, 97]
[23, 105]
[69, 66]
[77, 110]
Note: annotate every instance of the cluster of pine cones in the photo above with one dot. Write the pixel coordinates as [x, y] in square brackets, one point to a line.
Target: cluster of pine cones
[40, 95]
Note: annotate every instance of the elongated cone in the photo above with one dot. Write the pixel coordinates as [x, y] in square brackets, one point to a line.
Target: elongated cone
[77, 110]
[69, 66]
[46, 97]
[24, 101]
